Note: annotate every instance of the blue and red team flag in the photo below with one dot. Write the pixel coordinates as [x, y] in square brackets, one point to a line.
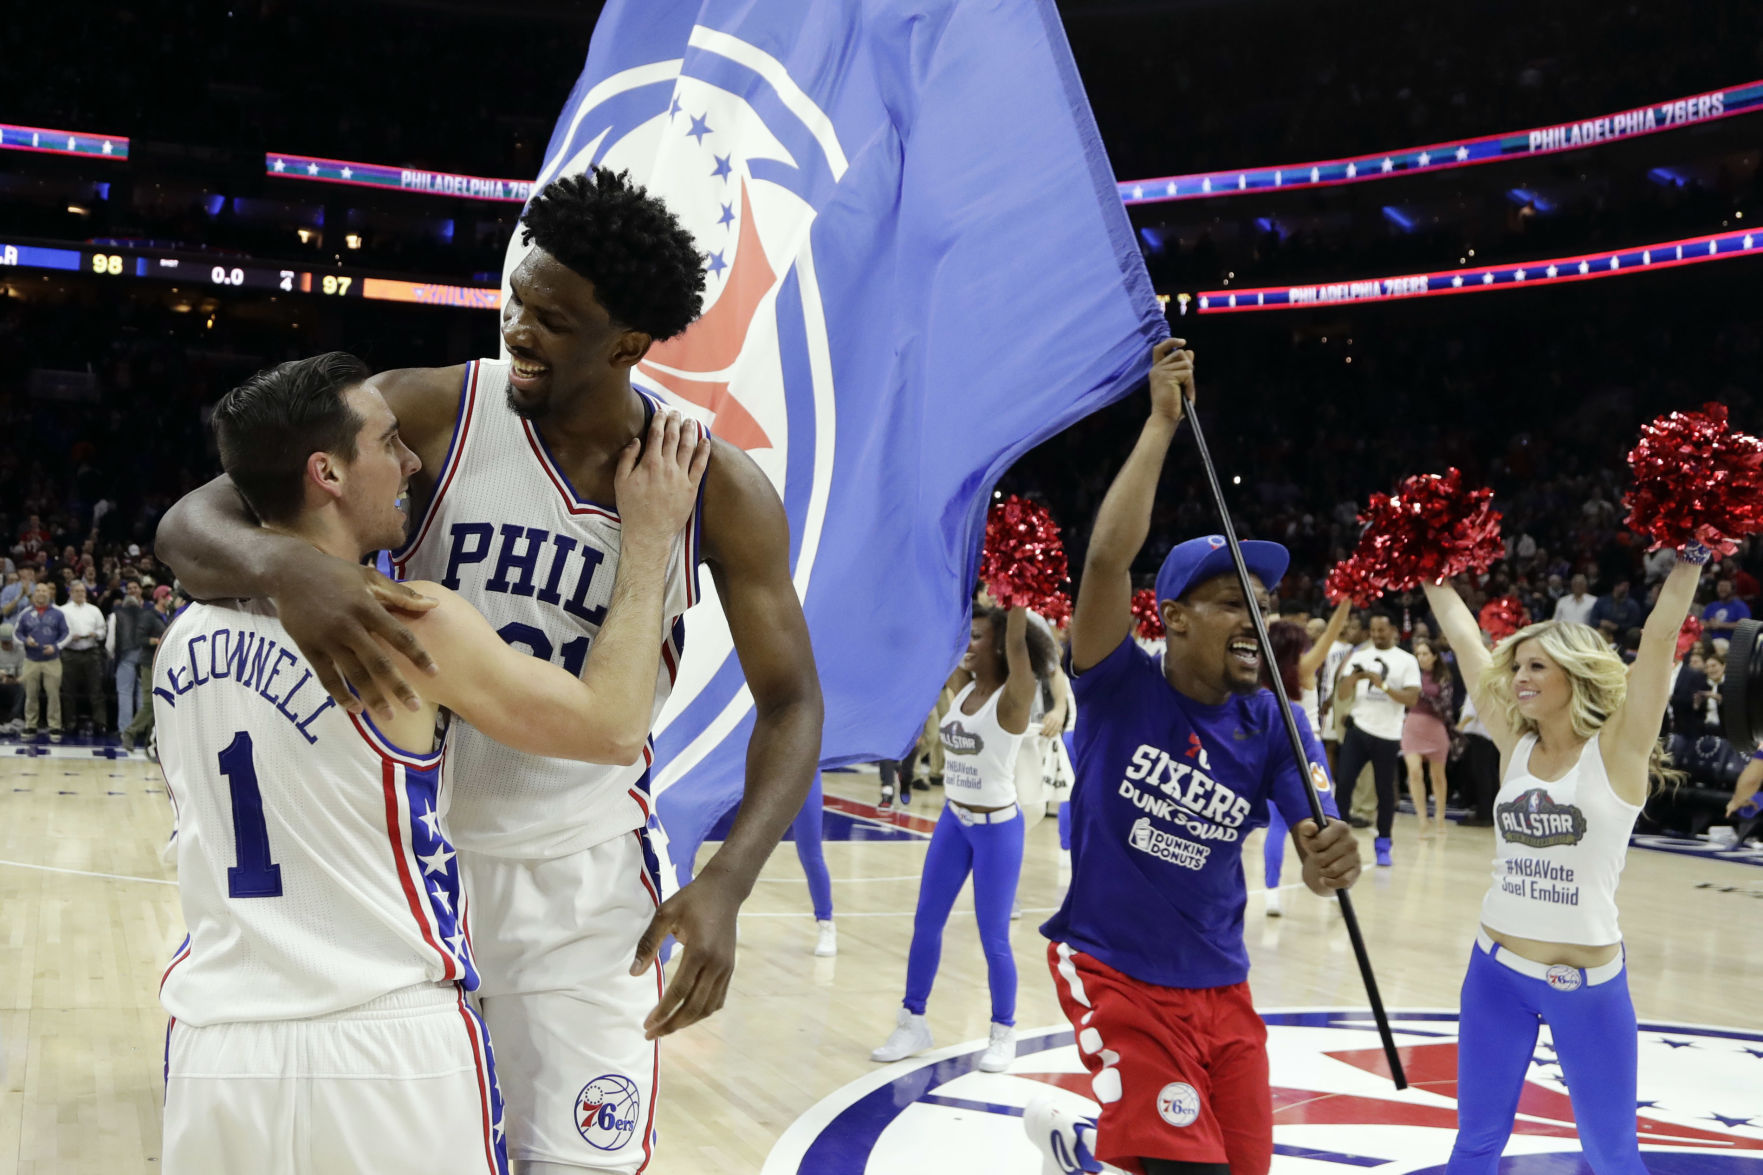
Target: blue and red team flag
[918, 268]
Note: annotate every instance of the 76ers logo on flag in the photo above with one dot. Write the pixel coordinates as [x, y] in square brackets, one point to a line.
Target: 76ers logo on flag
[606, 1111]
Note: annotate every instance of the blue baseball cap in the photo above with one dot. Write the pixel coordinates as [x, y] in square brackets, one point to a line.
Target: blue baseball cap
[1198, 560]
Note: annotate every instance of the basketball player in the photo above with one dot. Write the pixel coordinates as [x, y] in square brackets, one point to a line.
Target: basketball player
[519, 461]
[318, 1008]
[1177, 761]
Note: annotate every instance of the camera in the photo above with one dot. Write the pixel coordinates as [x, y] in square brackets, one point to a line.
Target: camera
[1741, 704]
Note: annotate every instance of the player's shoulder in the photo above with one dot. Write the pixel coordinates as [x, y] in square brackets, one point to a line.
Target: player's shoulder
[422, 398]
[740, 505]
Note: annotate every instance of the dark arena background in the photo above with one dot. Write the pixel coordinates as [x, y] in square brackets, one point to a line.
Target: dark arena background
[1398, 237]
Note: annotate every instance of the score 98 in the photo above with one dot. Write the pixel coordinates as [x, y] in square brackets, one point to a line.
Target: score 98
[107, 263]
[336, 283]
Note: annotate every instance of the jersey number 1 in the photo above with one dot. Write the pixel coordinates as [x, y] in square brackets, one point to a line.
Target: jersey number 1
[255, 876]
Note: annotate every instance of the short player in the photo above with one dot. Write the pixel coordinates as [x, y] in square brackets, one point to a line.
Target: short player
[514, 510]
[1178, 759]
[319, 1013]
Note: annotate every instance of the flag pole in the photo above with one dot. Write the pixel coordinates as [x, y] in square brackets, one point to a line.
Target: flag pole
[1299, 756]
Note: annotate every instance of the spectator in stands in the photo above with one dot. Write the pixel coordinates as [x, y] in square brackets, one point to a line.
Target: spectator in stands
[82, 660]
[1480, 767]
[1707, 699]
[1576, 607]
[43, 631]
[1426, 736]
[32, 536]
[1616, 613]
[153, 624]
[11, 689]
[126, 646]
[16, 595]
[1724, 612]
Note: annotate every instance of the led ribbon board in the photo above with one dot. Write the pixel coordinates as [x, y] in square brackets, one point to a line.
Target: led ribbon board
[1545, 140]
[1579, 268]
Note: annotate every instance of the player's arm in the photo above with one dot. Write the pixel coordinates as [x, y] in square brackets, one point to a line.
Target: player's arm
[747, 547]
[1632, 730]
[1330, 854]
[603, 716]
[1017, 697]
[335, 611]
[1459, 626]
[1102, 617]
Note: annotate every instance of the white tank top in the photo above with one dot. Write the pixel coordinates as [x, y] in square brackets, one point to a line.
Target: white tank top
[314, 868]
[980, 757]
[1311, 705]
[506, 530]
[1559, 849]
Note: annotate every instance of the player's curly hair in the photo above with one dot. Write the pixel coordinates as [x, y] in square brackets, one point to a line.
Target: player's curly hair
[645, 267]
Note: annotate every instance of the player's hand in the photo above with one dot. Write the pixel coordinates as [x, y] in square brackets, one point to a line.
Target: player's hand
[1052, 725]
[656, 484]
[1331, 856]
[1172, 379]
[342, 615]
[702, 917]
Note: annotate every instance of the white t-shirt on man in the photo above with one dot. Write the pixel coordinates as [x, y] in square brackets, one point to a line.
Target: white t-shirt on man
[1374, 711]
[1575, 609]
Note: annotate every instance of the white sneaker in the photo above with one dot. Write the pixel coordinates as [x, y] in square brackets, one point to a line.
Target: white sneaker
[1000, 1051]
[1063, 1137]
[1273, 903]
[827, 945]
[911, 1035]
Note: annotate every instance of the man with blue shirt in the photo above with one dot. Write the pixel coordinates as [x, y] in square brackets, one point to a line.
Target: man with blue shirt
[1724, 612]
[42, 630]
[1178, 759]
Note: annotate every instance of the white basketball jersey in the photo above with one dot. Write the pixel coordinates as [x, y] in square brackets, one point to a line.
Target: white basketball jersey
[505, 529]
[313, 863]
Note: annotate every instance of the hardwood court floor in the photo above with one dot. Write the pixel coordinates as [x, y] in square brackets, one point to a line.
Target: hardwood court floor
[88, 919]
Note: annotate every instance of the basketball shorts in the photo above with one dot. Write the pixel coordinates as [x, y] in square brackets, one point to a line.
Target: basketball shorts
[404, 1085]
[554, 940]
[1180, 1073]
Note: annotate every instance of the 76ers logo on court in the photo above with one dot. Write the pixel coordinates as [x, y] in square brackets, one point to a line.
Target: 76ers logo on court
[607, 1111]
[1333, 1103]
[746, 160]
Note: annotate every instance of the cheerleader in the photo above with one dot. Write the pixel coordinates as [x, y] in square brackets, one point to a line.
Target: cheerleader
[1578, 738]
[981, 828]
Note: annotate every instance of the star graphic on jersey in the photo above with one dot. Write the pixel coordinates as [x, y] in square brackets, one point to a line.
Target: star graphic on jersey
[456, 940]
[440, 896]
[497, 1129]
[436, 862]
[431, 820]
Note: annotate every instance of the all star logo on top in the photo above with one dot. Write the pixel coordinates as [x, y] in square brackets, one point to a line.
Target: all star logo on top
[1536, 820]
[958, 740]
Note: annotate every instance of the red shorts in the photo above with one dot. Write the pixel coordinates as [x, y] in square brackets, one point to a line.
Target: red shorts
[1181, 1073]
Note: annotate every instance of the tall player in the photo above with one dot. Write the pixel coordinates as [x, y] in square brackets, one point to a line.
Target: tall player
[319, 1020]
[518, 461]
[1178, 759]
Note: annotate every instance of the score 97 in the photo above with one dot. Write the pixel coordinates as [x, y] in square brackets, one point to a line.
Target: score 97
[336, 283]
[107, 263]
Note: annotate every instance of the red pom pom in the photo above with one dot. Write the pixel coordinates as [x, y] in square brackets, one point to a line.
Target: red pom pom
[1024, 559]
[1144, 611]
[1056, 608]
[1696, 480]
[1687, 636]
[1349, 580]
[1431, 528]
[1502, 617]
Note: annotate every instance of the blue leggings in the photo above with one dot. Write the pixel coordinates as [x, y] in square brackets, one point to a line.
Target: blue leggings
[806, 833]
[993, 853]
[1273, 849]
[1065, 808]
[1595, 1040]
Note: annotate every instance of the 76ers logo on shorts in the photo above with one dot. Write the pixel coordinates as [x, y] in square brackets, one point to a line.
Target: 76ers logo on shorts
[1179, 1104]
[606, 1111]
[1564, 978]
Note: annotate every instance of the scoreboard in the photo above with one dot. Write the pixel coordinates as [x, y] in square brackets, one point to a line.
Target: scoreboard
[210, 271]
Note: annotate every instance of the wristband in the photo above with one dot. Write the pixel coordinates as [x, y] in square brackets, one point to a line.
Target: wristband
[1696, 553]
